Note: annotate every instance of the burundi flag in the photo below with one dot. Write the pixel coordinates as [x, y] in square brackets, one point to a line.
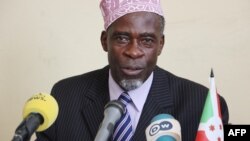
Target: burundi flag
[211, 127]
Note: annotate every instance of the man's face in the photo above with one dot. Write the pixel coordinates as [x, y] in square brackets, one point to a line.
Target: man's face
[133, 43]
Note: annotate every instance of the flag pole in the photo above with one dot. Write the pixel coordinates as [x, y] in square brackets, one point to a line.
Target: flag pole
[212, 73]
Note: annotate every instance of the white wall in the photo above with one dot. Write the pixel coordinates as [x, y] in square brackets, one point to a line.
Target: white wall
[43, 41]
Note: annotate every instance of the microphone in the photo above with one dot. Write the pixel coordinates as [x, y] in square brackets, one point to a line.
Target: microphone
[163, 127]
[112, 113]
[39, 113]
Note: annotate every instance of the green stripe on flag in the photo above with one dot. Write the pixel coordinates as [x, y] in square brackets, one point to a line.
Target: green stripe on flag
[208, 109]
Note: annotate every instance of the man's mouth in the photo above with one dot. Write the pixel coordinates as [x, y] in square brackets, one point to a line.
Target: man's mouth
[131, 70]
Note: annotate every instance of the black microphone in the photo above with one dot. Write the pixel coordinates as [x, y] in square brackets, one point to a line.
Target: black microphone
[39, 113]
[163, 127]
[112, 113]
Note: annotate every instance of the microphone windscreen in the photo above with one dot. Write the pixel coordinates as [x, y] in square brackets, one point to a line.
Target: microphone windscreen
[45, 105]
[163, 127]
[162, 116]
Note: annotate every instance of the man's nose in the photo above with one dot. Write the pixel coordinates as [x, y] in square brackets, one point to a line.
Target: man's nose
[133, 50]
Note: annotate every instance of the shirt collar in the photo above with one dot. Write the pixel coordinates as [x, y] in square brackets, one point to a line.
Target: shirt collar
[138, 95]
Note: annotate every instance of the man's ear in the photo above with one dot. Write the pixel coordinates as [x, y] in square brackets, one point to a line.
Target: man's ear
[162, 42]
[104, 36]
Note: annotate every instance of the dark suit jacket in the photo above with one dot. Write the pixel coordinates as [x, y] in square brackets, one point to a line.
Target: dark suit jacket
[82, 99]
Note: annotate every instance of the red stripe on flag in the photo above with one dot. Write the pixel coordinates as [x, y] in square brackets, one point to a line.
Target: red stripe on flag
[201, 136]
[218, 102]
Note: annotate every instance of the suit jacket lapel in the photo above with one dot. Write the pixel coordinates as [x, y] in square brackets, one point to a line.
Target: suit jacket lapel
[159, 101]
[96, 98]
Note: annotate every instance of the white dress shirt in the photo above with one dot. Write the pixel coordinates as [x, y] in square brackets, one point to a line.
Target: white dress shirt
[138, 97]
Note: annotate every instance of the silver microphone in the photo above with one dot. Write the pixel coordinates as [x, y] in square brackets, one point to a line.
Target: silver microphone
[112, 113]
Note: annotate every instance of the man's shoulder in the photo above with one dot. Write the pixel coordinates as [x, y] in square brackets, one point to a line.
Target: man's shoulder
[83, 79]
[178, 82]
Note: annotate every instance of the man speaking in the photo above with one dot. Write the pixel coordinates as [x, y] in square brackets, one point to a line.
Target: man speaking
[133, 38]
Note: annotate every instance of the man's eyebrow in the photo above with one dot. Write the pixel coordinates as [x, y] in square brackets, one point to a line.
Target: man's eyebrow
[147, 34]
[117, 33]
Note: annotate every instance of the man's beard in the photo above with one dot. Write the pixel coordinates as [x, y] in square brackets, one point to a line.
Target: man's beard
[130, 84]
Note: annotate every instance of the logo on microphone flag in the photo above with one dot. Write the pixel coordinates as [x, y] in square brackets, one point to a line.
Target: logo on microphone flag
[211, 127]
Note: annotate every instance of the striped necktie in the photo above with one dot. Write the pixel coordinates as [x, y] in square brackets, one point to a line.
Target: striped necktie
[123, 127]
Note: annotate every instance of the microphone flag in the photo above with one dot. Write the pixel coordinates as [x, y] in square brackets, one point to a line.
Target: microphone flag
[211, 127]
